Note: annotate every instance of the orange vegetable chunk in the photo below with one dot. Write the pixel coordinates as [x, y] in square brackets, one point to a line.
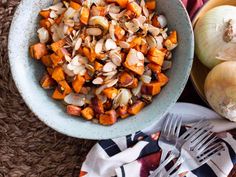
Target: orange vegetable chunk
[108, 118]
[97, 105]
[152, 88]
[134, 7]
[110, 92]
[87, 113]
[45, 13]
[75, 5]
[84, 15]
[58, 45]
[58, 74]
[136, 107]
[151, 4]
[37, 51]
[78, 83]
[73, 110]
[163, 79]
[47, 82]
[46, 60]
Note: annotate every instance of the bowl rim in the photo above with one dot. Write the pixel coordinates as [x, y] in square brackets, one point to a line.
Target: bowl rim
[88, 135]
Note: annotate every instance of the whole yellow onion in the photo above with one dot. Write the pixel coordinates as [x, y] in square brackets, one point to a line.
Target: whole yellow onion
[220, 89]
[215, 36]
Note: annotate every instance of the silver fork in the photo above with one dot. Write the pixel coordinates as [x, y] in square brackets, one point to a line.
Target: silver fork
[168, 138]
[197, 150]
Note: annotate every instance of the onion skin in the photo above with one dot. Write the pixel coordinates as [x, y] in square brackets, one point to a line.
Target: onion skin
[220, 89]
[209, 31]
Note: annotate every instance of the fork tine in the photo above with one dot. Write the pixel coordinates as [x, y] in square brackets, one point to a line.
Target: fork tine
[203, 141]
[207, 144]
[178, 126]
[177, 163]
[165, 125]
[197, 136]
[174, 124]
[196, 126]
[211, 152]
[169, 126]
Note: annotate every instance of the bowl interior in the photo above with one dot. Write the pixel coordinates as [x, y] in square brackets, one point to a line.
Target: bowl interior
[27, 72]
[198, 78]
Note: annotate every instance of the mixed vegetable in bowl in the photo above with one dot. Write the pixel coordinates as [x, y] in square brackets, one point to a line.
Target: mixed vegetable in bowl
[104, 59]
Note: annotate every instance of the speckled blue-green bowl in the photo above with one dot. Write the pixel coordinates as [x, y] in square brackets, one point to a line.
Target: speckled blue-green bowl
[27, 72]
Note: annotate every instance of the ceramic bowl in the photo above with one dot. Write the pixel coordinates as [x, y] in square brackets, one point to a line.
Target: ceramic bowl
[199, 71]
[27, 72]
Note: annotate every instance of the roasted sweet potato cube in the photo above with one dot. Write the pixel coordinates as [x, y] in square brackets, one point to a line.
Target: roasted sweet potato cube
[136, 107]
[122, 3]
[58, 45]
[173, 37]
[50, 70]
[162, 79]
[46, 60]
[84, 15]
[125, 79]
[155, 21]
[134, 7]
[110, 92]
[78, 83]
[134, 84]
[108, 118]
[45, 23]
[151, 4]
[89, 53]
[57, 95]
[98, 66]
[136, 42]
[58, 74]
[64, 87]
[119, 32]
[122, 111]
[87, 76]
[45, 13]
[97, 105]
[152, 88]
[56, 59]
[47, 82]
[138, 69]
[98, 11]
[156, 56]
[154, 67]
[144, 49]
[87, 113]
[59, 19]
[37, 51]
[75, 5]
[73, 110]
[111, 1]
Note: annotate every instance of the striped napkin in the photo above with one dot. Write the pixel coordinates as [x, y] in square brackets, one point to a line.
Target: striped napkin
[139, 154]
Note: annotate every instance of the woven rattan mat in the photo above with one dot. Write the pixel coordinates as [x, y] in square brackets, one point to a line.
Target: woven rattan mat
[28, 148]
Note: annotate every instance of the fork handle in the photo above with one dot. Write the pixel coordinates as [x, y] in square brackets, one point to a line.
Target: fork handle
[162, 165]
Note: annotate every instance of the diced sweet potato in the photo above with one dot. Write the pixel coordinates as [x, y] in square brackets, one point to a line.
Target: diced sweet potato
[37, 51]
[155, 21]
[110, 92]
[87, 76]
[156, 56]
[46, 60]
[152, 88]
[45, 23]
[136, 42]
[108, 118]
[89, 53]
[75, 5]
[162, 79]
[97, 105]
[56, 59]
[119, 32]
[84, 15]
[88, 113]
[57, 95]
[58, 74]
[144, 49]
[136, 107]
[98, 11]
[98, 66]
[47, 82]
[134, 84]
[173, 37]
[125, 79]
[58, 45]
[154, 67]
[122, 111]
[59, 19]
[134, 7]
[50, 70]
[151, 4]
[73, 110]
[138, 69]
[122, 3]
[45, 13]
[64, 87]
[78, 83]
